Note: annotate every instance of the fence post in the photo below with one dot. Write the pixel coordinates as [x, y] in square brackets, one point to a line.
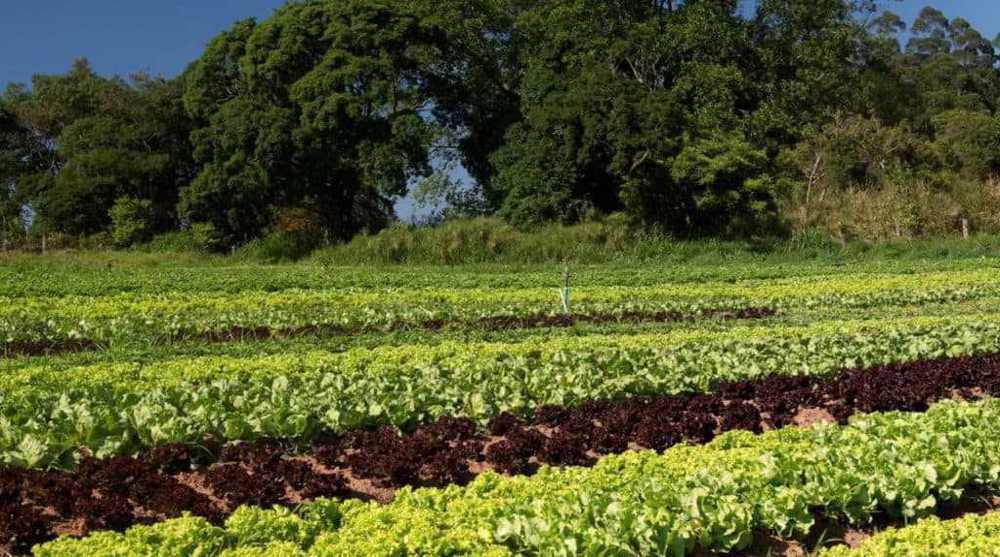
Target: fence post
[965, 229]
[43, 242]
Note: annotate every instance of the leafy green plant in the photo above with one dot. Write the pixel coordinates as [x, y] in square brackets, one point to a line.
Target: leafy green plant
[47, 415]
[131, 221]
[971, 536]
[707, 498]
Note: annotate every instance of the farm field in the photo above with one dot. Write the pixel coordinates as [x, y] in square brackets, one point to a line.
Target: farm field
[215, 409]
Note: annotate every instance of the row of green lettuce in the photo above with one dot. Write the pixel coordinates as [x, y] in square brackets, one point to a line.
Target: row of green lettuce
[120, 273]
[687, 499]
[970, 536]
[516, 339]
[46, 417]
[107, 319]
[237, 319]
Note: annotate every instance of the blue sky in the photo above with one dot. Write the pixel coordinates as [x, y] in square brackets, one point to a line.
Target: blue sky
[163, 36]
[118, 36]
[984, 14]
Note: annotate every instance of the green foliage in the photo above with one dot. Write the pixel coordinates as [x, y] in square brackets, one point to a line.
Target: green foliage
[295, 234]
[688, 499]
[51, 414]
[727, 186]
[913, 166]
[852, 151]
[162, 317]
[96, 241]
[275, 247]
[197, 238]
[443, 197]
[692, 118]
[968, 143]
[491, 240]
[20, 153]
[319, 105]
[969, 536]
[656, 110]
[258, 527]
[131, 221]
[104, 139]
[182, 537]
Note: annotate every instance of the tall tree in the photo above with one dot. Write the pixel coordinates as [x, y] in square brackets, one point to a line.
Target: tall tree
[20, 153]
[105, 139]
[671, 110]
[324, 106]
[950, 65]
[475, 81]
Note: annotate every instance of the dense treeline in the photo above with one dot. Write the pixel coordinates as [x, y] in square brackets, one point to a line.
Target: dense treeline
[691, 118]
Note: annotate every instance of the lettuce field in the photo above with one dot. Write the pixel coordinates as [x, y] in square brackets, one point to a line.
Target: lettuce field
[814, 408]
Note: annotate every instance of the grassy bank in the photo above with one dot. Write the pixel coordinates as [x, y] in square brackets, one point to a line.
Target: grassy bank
[489, 242]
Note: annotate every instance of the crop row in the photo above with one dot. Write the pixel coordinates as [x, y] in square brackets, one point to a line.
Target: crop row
[712, 497]
[413, 345]
[33, 322]
[45, 419]
[970, 536]
[457, 355]
[220, 317]
[452, 451]
[42, 278]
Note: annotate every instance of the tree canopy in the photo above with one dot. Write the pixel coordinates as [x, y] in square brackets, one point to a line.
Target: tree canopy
[82, 141]
[692, 117]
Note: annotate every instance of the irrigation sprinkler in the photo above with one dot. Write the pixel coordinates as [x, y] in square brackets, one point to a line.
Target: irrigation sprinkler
[564, 294]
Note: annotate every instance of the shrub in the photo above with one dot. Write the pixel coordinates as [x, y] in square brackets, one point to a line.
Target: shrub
[491, 240]
[276, 247]
[131, 221]
[98, 241]
[189, 240]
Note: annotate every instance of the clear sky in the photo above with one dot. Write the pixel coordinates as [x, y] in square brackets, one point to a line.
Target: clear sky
[983, 14]
[118, 36]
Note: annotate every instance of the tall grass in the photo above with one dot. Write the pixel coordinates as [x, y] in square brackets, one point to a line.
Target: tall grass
[107, 258]
[488, 240]
[898, 210]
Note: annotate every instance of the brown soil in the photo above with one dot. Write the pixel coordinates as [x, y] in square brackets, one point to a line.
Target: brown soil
[44, 347]
[808, 417]
[854, 538]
